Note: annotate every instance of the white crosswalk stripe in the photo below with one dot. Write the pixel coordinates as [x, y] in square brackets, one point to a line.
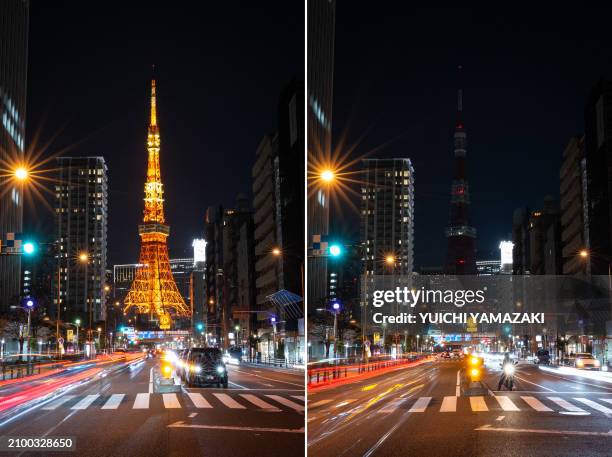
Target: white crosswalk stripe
[392, 406]
[420, 405]
[536, 404]
[113, 402]
[594, 405]
[607, 400]
[85, 402]
[286, 402]
[60, 401]
[259, 402]
[566, 405]
[506, 404]
[449, 405]
[198, 400]
[142, 401]
[171, 401]
[478, 404]
[229, 401]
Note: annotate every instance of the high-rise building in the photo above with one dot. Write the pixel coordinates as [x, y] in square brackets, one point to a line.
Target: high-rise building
[267, 266]
[387, 216]
[14, 15]
[537, 240]
[213, 275]
[81, 214]
[461, 253]
[573, 207]
[598, 155]
[321, 36]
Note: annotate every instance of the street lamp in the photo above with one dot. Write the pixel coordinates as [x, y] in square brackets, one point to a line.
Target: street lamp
[21, 174]
[78, 323]
[83, 257]
[276, 251]
[336, 308]
[327, 175]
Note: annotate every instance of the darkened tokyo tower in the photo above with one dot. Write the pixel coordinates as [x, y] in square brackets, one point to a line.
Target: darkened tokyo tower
[461, 255]
[154, 291]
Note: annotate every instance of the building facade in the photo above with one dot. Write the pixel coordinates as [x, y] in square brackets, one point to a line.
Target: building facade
[573, 207]
[81, 217]
[321, 36]
[14, 19]
[387, 216]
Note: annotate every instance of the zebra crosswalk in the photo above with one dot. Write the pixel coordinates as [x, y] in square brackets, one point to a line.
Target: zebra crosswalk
[481, 404]
[189, 400]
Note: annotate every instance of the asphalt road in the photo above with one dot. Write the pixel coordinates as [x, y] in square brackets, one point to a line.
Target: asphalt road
[121, 414]
[420, 411]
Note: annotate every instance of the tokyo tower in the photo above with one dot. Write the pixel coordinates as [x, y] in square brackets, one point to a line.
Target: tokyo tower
[154, 291]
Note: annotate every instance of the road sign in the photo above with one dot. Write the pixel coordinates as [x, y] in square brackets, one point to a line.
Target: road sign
[376, 337]
[60, 340]
[70, 334]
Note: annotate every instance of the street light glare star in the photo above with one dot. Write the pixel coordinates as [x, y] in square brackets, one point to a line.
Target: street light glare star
[21, 174]
[328, 175]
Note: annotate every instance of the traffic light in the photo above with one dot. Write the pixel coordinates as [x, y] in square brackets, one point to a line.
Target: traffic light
[29, 248]
[335, 250]
[200, 326]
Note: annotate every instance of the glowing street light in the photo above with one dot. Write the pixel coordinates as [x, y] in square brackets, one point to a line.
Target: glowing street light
[584, 253]
[328, 175]
[276, 252]
[21, 174]
[390, 259]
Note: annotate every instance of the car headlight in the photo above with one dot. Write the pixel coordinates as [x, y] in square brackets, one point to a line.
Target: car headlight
[167, 369]
[509, 369]
[220, 369]
[197, 368]
[474, 361]
[579, 363]
[475, 372]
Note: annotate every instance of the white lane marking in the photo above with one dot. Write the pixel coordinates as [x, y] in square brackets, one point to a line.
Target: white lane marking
[458, 386]
[536, 404]
[457, 391]
[286, 402]
[566, 405]
[506, 404]
[229, 401]
[488, 428]
[60, 401]
[181, 424]
[85, 402]
[478, 404]
[142, 401]
[198, 400]
[392, 406]
[171, 401]
[449, 405]
[535, 384]
[299, 397]
[113, 402]
[320, 403]
[193, 415]
[345, 402]
[241, 387]
[594, 405]
[259, 402]
[500, 418]
[151, 381]
[607, 400]
[271, 379]
[420, 405]
[458, 377]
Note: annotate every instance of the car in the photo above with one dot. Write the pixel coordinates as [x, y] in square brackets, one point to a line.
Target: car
[586, 361]
[205, 366]
[542, 357]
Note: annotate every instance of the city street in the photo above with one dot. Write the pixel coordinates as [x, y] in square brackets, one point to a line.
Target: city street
[416, 411]
[121, 414]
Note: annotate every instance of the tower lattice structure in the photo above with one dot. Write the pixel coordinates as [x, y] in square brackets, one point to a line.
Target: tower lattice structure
[154, 291]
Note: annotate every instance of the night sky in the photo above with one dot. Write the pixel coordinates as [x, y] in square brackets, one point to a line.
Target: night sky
[220, 68]
[527, 73]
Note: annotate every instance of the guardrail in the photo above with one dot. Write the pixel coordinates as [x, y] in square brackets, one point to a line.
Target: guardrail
[333, 371]
[272, 362]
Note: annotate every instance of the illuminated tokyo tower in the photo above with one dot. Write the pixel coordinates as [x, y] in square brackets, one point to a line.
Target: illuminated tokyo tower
[154, 291]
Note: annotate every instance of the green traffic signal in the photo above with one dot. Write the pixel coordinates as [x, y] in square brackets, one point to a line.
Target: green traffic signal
[29, 248]
[335, 250]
